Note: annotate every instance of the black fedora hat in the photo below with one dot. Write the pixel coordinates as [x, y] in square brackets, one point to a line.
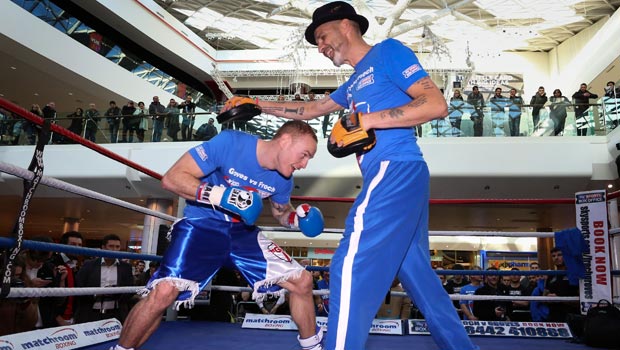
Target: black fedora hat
[331, 12]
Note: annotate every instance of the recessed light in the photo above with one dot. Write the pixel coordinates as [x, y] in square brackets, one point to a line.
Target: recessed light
[71, 94]
[13, 68]
[36, 94]
[610, 186]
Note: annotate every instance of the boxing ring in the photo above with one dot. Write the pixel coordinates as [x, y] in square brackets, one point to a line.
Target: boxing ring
[200, 335]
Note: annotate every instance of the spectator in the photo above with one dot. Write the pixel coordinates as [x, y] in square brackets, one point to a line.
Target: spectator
[322, 301]
[67, 265]
[206, 131]
[611, 91]
[31, 128]
[172, 120]
[188, 109]
[467, 306]
[49, 111]
[311, 96]
[113, 116]
[104, 272]
[456, 96]
[515, 112]
[530, 282]
[77, 123]
[581, 99]
[442, 278]
[158, 113]
[395, 306]
[477, 101]
[505, 281]
[141, 113]
[559, 286]
[537, 102]
[498, 94]
[130, 123]
[92, 122]
[41, 274]
[557, 111]
[454, 285]
[18, 314]
[491, 310]
[520, 308]
[297, 97]
[138, 272]
[270, 304]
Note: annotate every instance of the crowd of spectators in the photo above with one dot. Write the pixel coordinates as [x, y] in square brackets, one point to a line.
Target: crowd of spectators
[40, 269]
[120, 124]
[44, 269]
[116, 124]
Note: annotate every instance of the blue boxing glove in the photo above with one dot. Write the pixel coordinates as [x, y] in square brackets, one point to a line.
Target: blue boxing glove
[247, 204]
[308, 219]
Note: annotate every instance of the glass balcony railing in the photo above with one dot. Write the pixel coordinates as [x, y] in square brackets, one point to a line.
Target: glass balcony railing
[498, 118]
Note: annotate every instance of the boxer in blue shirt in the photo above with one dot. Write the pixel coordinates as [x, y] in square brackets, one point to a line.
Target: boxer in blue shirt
[224, 182]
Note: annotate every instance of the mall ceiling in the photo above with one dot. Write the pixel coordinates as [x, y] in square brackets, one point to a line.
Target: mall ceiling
[520, 25]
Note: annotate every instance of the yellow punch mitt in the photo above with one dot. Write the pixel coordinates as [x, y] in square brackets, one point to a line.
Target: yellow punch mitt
[348, 136]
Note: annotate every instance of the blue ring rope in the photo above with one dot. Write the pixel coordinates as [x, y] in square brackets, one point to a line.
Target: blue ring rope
[62, 248]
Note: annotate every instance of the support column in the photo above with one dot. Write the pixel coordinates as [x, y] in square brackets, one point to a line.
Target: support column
[150, 233]
[545, 244]
[71, 224]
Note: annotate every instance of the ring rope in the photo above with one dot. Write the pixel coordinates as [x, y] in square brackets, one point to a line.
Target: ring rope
[439, 233]
[62, 185]
[63, 248]
[62, 292]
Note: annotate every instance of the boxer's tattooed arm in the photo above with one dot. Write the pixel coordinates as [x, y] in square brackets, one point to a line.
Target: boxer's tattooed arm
[281, 212]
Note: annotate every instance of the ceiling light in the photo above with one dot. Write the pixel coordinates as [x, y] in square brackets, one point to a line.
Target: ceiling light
[610, 186]
[13, 68]
[71, 94]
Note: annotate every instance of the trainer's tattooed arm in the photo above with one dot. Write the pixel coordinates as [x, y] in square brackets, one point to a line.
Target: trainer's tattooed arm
[427, 104]
[281, 212]
[299, 110]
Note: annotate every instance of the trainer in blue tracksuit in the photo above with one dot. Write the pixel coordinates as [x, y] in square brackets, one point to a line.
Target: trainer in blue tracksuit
[386, 230]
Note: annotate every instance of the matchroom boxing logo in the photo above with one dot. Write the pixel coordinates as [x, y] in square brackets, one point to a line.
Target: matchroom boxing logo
[6, 345]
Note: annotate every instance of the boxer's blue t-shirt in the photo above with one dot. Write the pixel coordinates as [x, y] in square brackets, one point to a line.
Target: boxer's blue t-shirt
[230, 159]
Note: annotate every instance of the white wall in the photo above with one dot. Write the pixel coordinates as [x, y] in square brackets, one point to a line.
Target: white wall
[53, 45]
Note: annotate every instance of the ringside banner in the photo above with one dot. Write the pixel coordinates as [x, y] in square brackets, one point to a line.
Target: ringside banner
[503, 329]
[591, 207]
[283, 322]
[65, 337]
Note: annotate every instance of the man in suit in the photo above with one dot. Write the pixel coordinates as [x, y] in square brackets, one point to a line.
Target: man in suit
[104, 272]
